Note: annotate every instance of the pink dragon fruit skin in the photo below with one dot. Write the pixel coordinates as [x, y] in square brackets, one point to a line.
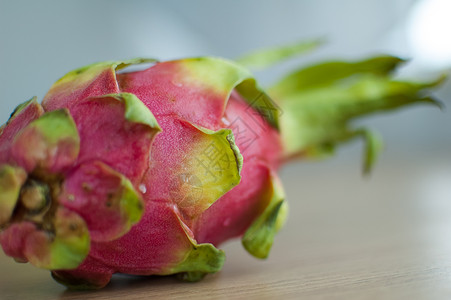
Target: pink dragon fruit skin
[143, 173]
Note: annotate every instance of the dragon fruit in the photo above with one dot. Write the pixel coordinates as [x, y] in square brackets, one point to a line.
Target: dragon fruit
[148, 172]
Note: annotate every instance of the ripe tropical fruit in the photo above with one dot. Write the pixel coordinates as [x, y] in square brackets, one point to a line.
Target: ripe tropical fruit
[148, 172]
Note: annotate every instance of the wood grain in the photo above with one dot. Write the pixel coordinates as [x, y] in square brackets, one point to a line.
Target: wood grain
[384, 237]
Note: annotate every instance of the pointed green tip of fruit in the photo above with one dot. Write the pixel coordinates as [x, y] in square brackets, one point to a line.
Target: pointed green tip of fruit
[259, 237]
[49, 143]
[119, 65]
[72, 242]
[200, 260]
[223, 76]
[68, 253]
[21, 106]
[65, 248]
[89, 72]
[216, 162]
[57, 125]
[282, 216]
[135, 110]
[236, 151]
[260, 101]
[11, 181]
[131, 204]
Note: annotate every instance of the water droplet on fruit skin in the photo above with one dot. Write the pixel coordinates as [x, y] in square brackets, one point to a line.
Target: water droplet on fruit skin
[177, 84]
[143, 188]
[225, 121]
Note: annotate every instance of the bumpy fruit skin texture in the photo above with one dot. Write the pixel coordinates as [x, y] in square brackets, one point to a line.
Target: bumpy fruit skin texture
[142, 173]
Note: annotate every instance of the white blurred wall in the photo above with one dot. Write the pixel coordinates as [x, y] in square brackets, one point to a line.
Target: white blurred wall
[41, 40]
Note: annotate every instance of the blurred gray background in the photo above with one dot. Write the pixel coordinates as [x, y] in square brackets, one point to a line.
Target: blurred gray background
[41, 40]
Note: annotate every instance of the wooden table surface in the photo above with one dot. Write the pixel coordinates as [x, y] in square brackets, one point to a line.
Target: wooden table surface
[383, 237]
